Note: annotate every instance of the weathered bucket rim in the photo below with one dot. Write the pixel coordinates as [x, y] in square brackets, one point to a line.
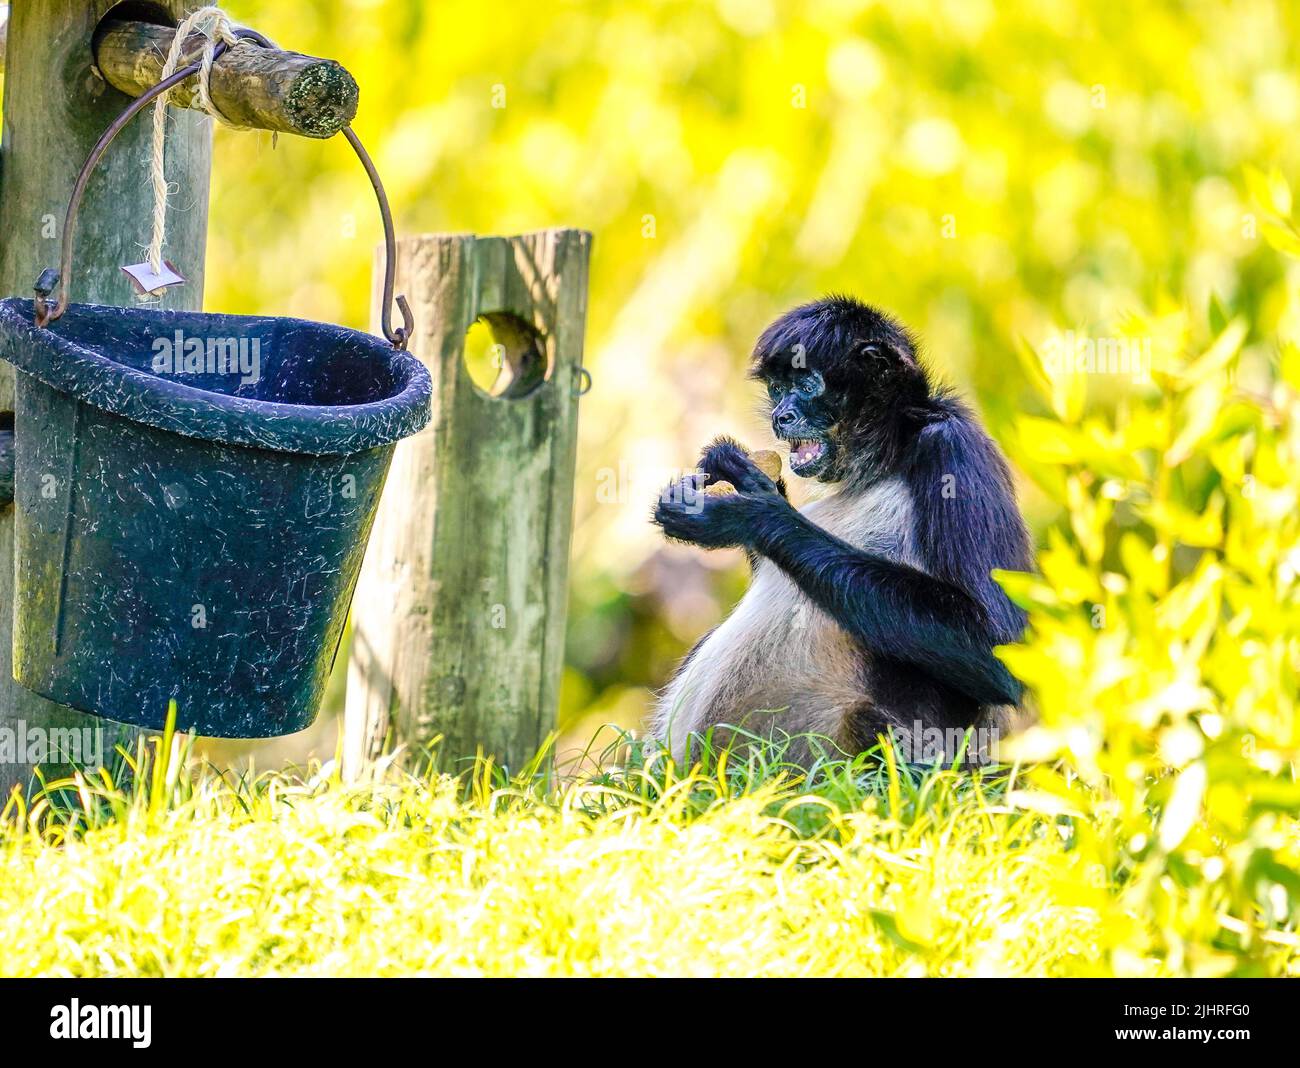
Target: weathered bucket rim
[318, 430]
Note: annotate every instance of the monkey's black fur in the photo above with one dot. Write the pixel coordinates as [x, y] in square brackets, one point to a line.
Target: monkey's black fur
[846, 387]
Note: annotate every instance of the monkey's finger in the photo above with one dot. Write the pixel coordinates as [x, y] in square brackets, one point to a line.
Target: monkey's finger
[679, 522]
[724, 458]
[728, 461]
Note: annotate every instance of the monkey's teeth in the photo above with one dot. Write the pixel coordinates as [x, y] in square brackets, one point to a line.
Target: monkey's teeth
[805, 452]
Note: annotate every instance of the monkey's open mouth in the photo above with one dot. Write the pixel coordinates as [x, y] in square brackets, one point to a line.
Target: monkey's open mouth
[807, 457]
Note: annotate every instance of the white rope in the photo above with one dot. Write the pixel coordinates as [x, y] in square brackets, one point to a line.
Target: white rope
[213, 23]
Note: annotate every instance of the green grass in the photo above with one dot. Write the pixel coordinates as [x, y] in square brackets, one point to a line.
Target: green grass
[743, 866]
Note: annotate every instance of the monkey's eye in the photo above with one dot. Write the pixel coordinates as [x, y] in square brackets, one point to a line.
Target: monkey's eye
[811, 384]
[774, 391]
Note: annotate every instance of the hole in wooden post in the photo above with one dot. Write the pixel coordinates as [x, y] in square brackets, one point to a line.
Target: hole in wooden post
[135, 11]
[504, 356]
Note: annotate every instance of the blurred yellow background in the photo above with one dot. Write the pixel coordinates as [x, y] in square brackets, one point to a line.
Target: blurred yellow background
[995, 174]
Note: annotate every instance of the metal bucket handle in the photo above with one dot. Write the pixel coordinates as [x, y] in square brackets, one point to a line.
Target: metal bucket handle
[49, 278]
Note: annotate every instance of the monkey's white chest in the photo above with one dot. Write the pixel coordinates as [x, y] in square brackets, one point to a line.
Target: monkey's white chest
[778, 658]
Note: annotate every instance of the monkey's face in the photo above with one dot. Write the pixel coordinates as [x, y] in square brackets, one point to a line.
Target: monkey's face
[804, 415]
[842, 379]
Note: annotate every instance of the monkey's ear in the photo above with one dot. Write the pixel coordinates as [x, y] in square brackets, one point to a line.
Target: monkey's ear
[890, 355]
[890, 361]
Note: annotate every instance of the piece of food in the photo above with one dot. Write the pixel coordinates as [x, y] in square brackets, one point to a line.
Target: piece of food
[768, 462]
[719, 489]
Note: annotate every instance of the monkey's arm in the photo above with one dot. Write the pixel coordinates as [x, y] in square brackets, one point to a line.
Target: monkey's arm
[892, 609]
[947, 618]
[965, 519]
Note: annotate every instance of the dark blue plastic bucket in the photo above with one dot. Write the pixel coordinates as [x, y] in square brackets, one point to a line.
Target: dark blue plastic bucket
[193, 497]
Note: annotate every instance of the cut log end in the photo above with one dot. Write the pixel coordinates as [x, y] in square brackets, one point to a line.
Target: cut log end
[322, 100]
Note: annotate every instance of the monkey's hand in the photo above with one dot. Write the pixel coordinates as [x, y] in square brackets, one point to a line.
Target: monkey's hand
[688, 513]
[725, 460]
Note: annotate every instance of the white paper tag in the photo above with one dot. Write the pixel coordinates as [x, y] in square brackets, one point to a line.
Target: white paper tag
[148, 283]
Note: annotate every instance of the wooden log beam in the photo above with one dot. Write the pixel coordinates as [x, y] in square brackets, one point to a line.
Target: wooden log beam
[264, 88]
[458, 619]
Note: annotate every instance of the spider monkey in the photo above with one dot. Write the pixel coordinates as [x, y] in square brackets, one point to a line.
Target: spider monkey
[873, 605]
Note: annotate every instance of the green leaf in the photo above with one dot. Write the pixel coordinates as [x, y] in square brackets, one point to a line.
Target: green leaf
[1279, 193]
[1271, 193]
[1282, 238]
[1049, 441]
[1032, 366]
[1184, 806]
[889, 928]
[1218, 314]
[1217, 357]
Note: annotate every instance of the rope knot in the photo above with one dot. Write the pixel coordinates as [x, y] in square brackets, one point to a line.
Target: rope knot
[216, 27]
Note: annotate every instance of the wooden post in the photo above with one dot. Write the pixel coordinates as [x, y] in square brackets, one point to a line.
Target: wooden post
[55, 107]
[458, 620]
